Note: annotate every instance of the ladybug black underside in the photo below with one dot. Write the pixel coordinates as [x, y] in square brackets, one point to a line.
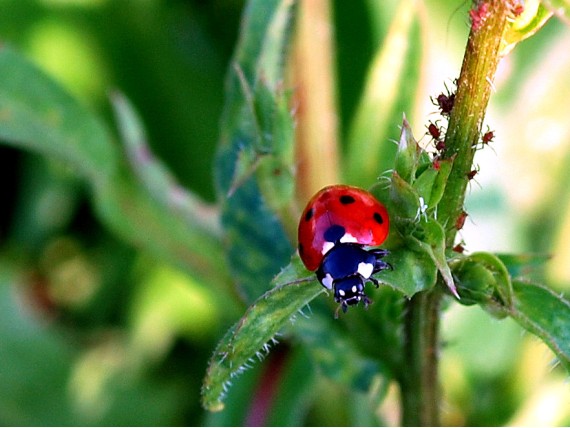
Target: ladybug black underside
[347, 267]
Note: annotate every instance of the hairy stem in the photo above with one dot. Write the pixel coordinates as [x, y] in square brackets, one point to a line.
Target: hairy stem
[474, 88]
[419, 383]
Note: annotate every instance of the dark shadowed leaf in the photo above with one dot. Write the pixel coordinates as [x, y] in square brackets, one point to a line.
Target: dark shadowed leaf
[254, 158]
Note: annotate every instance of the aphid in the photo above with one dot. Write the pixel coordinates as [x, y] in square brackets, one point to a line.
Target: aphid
[479, 15]
[460, 222]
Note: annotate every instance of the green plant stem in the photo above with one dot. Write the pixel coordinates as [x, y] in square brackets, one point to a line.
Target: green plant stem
[474, 88]
[419, 382]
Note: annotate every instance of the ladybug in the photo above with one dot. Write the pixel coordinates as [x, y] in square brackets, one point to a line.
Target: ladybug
[337, 224]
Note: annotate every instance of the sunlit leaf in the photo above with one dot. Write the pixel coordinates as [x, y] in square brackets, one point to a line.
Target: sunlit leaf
[560, 9]
[535, 14]
[37, 115]
[381, 96]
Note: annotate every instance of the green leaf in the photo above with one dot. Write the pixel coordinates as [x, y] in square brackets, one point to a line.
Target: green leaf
[403, 201]
[544, 314]
[36, 364]
[520, 265]
[248, 339]
[156, 177]
[413, 271]
[438, 186]
[334, 351]
[37, 115]
[295, 391]
[275, 174]
[535, 14]
[127, 209]
[429, 237]
[417, 183]
[256, 137]
[408, 154]
[560, 8]
[271, 154]
[382, 96]
[483, 278]
[414, 266]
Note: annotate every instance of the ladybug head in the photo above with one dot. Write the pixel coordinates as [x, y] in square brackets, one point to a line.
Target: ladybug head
[350, 291]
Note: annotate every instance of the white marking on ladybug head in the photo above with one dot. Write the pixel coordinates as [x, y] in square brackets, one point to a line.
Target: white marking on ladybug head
[341, 293]
[347, 237]
[365, 269]
[354, 288]
[326, 247]
[327, 281]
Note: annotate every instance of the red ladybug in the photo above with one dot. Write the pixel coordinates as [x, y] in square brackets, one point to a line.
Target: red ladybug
[336, 225]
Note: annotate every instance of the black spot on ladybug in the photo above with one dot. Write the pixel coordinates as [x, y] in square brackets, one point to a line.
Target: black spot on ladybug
[301, 250]
[378, 218]
[309, 214]
[334, 233]
[346, 199]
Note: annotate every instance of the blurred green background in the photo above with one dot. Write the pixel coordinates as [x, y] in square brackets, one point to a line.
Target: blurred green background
[96, 332]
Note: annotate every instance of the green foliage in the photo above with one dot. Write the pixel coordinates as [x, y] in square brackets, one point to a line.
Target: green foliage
[545, 314]
[110, 318]
[37, 115]
[560, 8]
[256, 329]
[254, 157]
[383, 97]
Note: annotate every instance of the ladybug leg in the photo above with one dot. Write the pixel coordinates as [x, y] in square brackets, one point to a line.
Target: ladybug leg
[376, 283]
[379, 252]
[380, 265]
